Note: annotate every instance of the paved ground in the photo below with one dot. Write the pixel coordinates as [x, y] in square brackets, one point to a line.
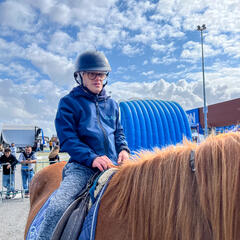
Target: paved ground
[14, 212]
[13, 216]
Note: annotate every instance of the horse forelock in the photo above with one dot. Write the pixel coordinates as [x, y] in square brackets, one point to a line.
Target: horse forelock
[157, 194]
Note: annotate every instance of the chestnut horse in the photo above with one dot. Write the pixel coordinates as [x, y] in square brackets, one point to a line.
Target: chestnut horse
[159, 196]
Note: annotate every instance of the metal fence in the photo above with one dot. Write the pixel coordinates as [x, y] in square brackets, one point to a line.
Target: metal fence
[15, 180]
[14, 188]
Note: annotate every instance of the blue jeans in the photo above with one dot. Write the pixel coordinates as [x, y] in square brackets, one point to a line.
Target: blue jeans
[26, 179]
[9, 182]
[75, 178]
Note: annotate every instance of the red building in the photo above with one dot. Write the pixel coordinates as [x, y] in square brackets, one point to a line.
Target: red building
[222, 114]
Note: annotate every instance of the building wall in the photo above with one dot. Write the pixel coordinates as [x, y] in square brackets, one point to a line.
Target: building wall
[222, 114]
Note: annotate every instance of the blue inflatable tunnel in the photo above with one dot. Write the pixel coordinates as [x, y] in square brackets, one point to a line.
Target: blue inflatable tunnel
[153, 123]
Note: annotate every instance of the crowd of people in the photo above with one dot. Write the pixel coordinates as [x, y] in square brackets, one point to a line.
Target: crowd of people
[27, 159]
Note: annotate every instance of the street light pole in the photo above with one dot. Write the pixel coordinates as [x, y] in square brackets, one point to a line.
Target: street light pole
[201, 29]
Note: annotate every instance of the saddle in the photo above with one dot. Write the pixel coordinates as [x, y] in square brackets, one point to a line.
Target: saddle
[70, 224]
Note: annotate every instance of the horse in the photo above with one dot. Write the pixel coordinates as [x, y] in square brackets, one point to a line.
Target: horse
[188, 191]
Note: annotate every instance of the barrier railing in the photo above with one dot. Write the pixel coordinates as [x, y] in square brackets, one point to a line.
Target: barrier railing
[8, 183]
[18, 193]
[42, 164]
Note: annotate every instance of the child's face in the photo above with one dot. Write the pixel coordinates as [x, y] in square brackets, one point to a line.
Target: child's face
[95, 85]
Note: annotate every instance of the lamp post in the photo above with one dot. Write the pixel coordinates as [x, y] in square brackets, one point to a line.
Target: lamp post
[201, 29]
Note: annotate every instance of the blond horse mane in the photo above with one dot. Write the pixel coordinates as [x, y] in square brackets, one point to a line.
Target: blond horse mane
[159, 196]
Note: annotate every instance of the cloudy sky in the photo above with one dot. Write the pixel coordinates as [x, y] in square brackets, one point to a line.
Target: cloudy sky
[153, 47]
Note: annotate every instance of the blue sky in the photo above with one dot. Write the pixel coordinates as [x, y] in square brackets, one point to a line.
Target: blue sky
[153, 48]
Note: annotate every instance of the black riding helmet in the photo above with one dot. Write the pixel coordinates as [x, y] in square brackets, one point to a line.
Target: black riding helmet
[91, 61]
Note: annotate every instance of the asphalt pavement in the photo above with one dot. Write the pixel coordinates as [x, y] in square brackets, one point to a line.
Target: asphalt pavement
[14, 212]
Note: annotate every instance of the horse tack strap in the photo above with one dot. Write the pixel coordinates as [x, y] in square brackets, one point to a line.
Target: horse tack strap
[75, 221]
[99, 183]
[90, 222]
[63, 220]
[192, 161]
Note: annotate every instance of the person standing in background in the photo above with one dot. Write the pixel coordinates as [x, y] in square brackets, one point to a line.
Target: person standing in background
[9, 162]
[1, 153]
[50, 145]
[13, 149]
[1, 150]
[38, 146]
[27, 158]
[53, 155]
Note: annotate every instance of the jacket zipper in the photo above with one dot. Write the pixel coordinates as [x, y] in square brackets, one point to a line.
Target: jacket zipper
[103, 130]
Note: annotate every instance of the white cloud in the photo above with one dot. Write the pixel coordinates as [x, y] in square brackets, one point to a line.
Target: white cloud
[219, 16]
[147, 73]
[17, 16]
[127, 77]
[229, 43]
[75, 13]
[18, 72]
[9, 50]
[121, 70]
[156, 60]
[164, 60]
[60, 42]
[187, 94]
[44, 6]
[158, 47]
[80, 12]
[163, 47]
[132, 67]
[32, 103]
[58, 68]
[13, 103]
[61, 13]
[192, 50]
[156, 90]
[98, 36]
[130, 50]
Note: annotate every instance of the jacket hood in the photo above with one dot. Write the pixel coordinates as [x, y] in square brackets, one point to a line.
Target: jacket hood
[83, 91]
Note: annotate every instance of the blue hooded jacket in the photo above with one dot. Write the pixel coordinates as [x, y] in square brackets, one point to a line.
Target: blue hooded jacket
[88, 126]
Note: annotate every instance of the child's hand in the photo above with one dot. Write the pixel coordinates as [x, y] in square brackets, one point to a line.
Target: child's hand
[123, 156]
[102, 163]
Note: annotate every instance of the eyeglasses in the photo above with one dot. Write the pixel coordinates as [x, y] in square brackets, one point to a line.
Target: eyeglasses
[94, 75]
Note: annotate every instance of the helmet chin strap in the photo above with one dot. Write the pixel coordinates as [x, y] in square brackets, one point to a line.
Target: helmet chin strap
[105, 83]
[77, 75]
